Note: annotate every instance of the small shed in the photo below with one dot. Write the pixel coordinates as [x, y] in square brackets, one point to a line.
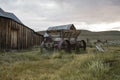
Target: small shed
[14, 34]
[63, 31]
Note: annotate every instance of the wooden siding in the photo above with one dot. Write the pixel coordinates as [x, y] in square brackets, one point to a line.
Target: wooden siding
[37, 40]
[14, 35]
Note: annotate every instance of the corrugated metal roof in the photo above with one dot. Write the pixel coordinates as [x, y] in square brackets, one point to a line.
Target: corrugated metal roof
[61, 27]
[9, 15]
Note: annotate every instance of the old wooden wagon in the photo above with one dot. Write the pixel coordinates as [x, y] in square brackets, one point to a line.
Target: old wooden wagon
[63, 37]
[14, 34]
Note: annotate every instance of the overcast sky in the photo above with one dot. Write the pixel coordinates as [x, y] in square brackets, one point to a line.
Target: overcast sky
[95, 15]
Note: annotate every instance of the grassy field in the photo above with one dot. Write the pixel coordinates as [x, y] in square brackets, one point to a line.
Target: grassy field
[32, 65]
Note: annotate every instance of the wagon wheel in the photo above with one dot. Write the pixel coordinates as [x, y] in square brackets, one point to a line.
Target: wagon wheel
[47, 45]
[83, 44]
[65, 45]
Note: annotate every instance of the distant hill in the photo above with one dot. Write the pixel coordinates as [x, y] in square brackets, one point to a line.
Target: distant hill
[105, 35]
[41, 32]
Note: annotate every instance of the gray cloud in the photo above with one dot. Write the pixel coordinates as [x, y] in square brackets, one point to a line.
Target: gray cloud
[44, 13]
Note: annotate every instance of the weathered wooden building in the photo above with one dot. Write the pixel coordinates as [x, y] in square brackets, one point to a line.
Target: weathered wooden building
[14, 34]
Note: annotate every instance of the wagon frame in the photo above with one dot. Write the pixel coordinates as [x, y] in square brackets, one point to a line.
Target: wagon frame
[63, 38]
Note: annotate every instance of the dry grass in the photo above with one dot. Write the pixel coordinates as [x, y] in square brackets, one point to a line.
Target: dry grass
[32, 65]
